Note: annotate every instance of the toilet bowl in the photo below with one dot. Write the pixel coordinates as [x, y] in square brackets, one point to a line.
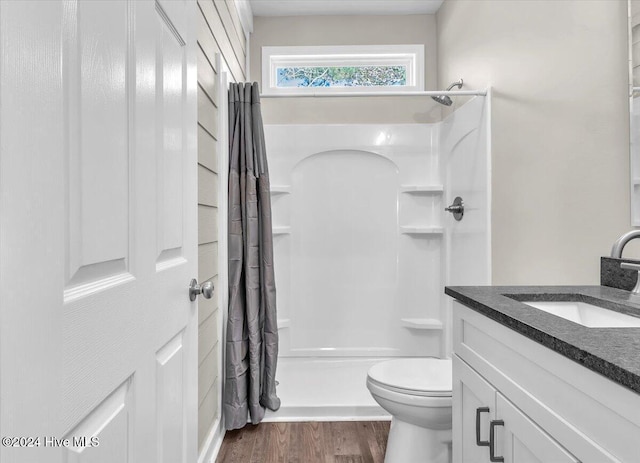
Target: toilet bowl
[417, 394]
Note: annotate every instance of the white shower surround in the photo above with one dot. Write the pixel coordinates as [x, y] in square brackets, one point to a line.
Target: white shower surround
[363, 249]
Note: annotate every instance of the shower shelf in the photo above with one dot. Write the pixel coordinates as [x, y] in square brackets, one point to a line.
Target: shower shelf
[284, 323]
[421, 188]
[280, 189]
[422, 323]
[414, 230]
[280, 230]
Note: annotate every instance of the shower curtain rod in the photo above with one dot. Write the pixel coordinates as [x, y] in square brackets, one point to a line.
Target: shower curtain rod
[391, 93]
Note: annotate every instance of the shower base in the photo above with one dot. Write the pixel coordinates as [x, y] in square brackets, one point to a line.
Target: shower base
[313, 389]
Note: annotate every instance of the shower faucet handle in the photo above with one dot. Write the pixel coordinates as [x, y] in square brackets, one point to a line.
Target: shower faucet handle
[457, 208]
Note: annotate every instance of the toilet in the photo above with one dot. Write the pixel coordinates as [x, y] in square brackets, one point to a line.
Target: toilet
[417, 394]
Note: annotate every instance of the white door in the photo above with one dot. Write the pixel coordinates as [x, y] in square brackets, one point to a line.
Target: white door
[98, 231]
[523, 441]
[473, 409]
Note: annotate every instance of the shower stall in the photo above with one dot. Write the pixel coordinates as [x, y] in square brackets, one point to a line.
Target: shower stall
[363, 248]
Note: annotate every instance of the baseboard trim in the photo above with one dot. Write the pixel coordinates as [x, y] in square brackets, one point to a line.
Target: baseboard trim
[328, 413]
[213, 442]
[298, 419]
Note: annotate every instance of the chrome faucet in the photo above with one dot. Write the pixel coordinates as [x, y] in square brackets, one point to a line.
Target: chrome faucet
[618, 246]
[616, 252]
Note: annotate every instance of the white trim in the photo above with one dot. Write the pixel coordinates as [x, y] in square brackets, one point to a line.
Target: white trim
[213, 442]
[633, 199]
[314, 94]
[489, 188]
[243, 7]
[306, 416]
[411, 56]
[247, 58]
[272, 8]
[223, 258]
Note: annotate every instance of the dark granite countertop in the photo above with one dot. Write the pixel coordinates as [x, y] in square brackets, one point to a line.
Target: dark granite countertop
[612, 352]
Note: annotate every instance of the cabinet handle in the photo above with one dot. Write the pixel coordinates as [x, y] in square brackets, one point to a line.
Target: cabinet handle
[492, 440]
[480, 443]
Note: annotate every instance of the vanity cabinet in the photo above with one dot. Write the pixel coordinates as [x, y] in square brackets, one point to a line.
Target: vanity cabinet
[493, 429]
[542, 406]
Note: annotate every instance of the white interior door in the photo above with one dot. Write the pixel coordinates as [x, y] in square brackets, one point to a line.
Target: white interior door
[98, 231]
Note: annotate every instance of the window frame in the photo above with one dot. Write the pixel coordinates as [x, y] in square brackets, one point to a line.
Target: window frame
[343, 55]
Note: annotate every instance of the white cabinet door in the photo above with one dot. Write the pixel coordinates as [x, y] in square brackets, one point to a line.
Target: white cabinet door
[98, 231]
[473, 408]
[520, 440]
[478, 407]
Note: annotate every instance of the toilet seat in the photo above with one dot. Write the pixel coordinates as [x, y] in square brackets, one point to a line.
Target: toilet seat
[423, 377]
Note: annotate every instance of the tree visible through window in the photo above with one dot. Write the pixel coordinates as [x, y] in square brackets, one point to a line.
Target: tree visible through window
[346, 76]
[342, 69]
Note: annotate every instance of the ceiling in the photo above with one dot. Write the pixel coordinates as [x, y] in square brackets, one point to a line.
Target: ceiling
[342, 7]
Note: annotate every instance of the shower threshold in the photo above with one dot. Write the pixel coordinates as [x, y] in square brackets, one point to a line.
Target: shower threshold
[322, 389]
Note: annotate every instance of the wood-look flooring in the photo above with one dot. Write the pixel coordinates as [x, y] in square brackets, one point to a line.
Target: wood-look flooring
[308, 442]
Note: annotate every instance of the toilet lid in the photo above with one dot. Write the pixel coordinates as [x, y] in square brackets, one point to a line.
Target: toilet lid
[415, 376]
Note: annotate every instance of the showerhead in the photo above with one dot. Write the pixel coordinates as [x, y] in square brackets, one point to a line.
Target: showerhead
[444, 99]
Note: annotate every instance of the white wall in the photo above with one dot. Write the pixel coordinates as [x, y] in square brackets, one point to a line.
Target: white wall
[560, 128]
[219, 32]
[347, 30]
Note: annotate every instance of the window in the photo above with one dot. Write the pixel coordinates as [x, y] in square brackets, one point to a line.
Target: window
[335, 69]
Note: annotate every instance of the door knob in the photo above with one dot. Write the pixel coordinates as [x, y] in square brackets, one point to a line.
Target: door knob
[194, 289]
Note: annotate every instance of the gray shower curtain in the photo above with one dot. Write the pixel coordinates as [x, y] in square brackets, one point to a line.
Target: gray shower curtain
[252, 331]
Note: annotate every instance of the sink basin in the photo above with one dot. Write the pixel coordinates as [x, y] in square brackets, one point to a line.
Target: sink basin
[586, 314]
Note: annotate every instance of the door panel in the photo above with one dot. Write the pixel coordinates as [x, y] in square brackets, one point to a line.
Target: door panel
[470, 392]
[525, 442]
[110, 424]
[170, 393]
[171, 73]
[96, 122]
[99, 230]
[175, 11]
